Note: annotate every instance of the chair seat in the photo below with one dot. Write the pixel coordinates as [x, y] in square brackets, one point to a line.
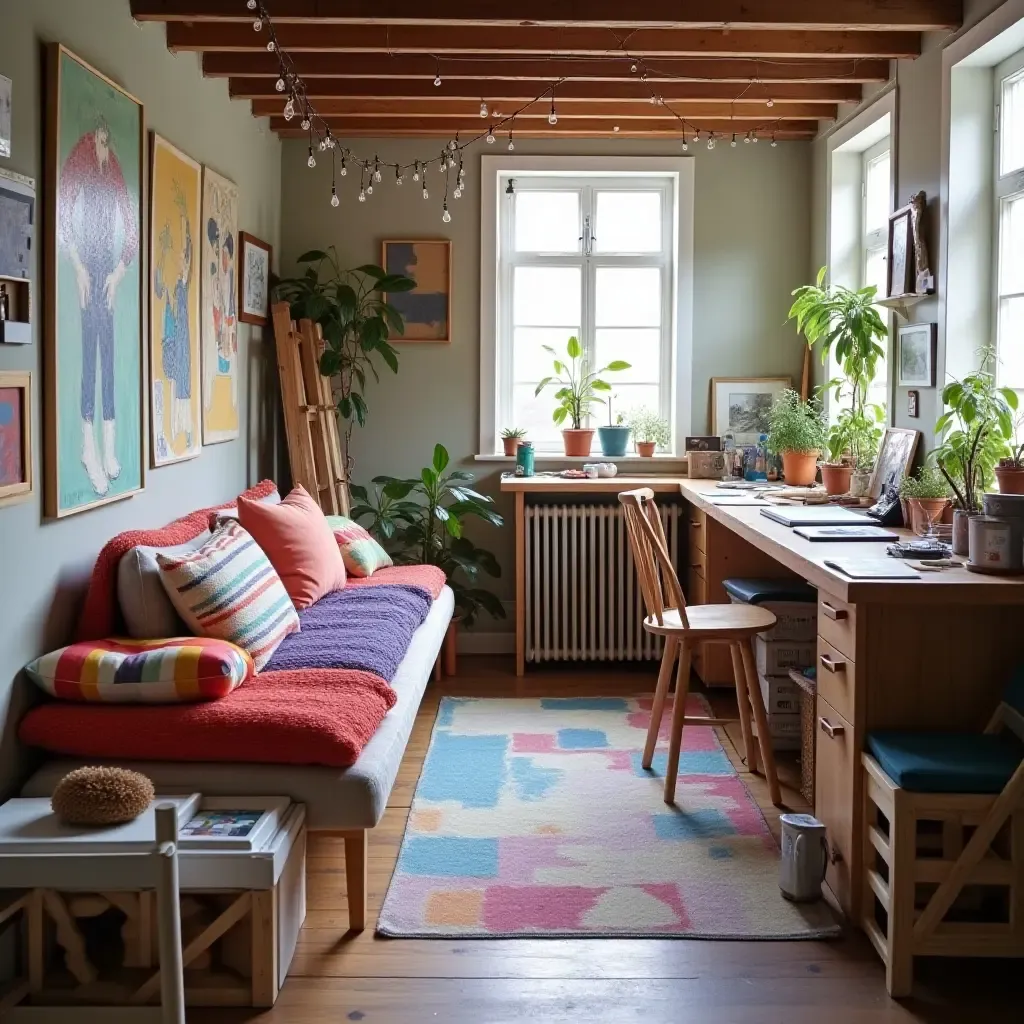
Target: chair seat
[924, 762]
[726, 621]
[759, 591]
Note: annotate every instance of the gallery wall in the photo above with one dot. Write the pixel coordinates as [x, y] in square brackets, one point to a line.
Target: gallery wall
[44, 564]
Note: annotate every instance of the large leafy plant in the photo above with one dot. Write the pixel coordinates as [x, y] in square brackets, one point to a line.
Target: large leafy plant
[357, 321]
[423, 520]
[577, 384]
[795, 425]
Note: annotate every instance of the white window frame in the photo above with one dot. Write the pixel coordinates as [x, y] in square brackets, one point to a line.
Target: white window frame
[872, 239]
[675, 177]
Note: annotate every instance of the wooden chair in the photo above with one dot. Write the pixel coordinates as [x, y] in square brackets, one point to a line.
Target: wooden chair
[944, 812]
[683, 627]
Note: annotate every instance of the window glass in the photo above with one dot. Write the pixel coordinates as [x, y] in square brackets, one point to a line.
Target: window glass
[876, 193]
[628, 296]
[1011, 124]
[628, 222]
[547, 296]
[547, 221]
[1011, 245]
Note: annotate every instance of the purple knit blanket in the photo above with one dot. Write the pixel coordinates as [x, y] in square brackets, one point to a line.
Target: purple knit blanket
[368, 628]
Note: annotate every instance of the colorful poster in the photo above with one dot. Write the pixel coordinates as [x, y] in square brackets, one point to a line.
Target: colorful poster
[220, 313]
[94, 288]
[175, 197]
[12, 440]
[427, 307]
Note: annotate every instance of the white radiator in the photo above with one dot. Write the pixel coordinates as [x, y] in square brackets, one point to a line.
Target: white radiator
[583, 599]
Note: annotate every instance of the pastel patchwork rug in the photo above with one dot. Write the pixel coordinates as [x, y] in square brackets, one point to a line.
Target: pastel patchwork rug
[535, 818]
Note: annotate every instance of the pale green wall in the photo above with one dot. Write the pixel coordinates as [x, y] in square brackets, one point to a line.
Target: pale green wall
[751, 248]
[43, 565]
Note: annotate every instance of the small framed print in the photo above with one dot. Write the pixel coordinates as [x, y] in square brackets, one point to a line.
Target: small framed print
[917, 346]
[913, 404]
[741, 405]
[426, 309]
[15, 438]
[254, 279]
[900, 253]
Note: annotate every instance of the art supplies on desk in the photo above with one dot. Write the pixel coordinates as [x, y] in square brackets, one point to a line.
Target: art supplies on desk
[845, 533]
[748, 498]
[873, 568]
[813, 515]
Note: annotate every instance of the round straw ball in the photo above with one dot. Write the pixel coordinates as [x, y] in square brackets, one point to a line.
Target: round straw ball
[101, 796]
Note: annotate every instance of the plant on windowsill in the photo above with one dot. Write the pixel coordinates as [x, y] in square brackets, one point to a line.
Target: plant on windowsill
[798, 431]
[613, 436]
[851, 446]
[512, 438]
[927, 495]
[650, 431]
[577, 392]
[1010, 471]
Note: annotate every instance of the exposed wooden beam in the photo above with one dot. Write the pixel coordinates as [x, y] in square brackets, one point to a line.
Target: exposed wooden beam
[843, 15]
[536, 130]
[435, 39]
[422, 66]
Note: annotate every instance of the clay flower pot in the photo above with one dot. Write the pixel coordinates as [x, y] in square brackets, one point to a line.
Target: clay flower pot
[962, 531]
[800, 468]
[578, 442]
[511, 444]
[836, 477]
[925, 510]
[1011, 479]
[646, 448]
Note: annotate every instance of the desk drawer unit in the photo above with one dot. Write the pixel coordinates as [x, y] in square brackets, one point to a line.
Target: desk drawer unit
[836, 675]
[837, 623]
[834, 777]
[698, 529]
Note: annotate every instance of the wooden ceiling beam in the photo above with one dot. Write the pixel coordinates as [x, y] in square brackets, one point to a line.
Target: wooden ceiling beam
[834, 15]
[433, 39]
[313, 66]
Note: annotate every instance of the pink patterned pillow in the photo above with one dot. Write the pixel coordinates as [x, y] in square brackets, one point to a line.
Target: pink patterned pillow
[362, 555]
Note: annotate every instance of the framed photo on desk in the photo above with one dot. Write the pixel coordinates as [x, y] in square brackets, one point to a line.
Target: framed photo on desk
[740, 405]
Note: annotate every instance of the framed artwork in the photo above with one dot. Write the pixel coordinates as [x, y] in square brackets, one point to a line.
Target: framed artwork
[95, 138]
[254, 280]
[15, 437]
[740, 405]
[900, 253]
[427, 308]
[917, 347]
[895, 457]
[219, 330]
[5, 116]
[175, 195]
[17, 223]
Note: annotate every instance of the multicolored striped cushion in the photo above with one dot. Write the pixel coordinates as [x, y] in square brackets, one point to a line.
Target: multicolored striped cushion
[228, 589]
[125, 671]
[362, 555]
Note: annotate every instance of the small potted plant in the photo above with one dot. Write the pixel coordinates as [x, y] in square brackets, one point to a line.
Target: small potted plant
[650, 431]
[577, 392]
[837, 469]
[927, 496]
[797, 431]
[1010, 471]
[614, 436]
[512, 438]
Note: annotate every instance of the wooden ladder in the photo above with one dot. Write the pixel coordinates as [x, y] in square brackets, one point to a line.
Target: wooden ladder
[310, 418]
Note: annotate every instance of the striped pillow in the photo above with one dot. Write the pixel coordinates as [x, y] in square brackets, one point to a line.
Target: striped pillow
[125, 671]
[228, 589]
[362, 555]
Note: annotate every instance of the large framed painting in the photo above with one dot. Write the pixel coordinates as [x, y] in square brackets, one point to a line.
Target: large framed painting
[219, 331]
[254, 280]
[95, 139]
[740, 405]
[175, 195]
[426, 309]
[15, 437]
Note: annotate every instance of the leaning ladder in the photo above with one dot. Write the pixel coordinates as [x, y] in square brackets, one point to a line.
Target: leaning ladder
[310, 418]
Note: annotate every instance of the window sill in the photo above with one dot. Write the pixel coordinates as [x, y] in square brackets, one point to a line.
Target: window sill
[627, 460]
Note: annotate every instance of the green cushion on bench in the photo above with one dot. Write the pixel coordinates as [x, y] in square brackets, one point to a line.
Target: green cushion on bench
[758, 591]
[932, 762]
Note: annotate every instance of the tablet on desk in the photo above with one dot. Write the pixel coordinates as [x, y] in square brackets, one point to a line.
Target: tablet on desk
[814, 515]
[845, 533]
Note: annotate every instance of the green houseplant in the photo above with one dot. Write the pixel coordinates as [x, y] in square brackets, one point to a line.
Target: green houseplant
[578, 388]
[613, 436]
[650, 431]
[927, 496]
[1010, 471]
[356, 319]
[797, 431]
[512, 438]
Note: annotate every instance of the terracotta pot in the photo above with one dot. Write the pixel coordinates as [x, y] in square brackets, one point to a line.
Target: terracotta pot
[836, 477]
[577, 442]
[511, 444]
[962, 531]
[860, 482]
[924, 509]
[646, 448]
[1011, 480]
[799, 469]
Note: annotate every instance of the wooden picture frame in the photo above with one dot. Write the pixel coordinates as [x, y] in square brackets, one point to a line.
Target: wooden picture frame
[895, 457]
[20, 412]
[251, 245]
[900, 253]
[427, 311]
[724, 419]
[91, 461]
[916, 352]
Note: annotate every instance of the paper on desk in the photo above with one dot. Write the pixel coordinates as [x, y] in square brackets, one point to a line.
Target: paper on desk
[873, 568]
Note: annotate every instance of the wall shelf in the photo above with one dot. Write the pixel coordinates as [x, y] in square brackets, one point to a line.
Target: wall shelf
[902, 304]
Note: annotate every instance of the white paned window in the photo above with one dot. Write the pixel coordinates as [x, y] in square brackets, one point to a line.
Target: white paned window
[877, 192]
[1009, 233]
[589, 255]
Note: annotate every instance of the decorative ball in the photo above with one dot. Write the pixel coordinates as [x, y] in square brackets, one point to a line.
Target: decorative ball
[101, 796]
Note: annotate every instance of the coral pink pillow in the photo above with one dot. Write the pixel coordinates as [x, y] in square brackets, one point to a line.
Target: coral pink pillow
[299, 543]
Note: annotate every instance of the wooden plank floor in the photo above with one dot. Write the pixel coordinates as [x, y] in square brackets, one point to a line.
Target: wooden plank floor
[338, 977]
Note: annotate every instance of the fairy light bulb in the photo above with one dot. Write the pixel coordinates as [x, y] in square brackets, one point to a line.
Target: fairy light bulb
[416, 171]
[446, 216]
[711, 142]
[754, 138]
[377, 176]
[426, 194]
[305, 124]
[686, 145]
[633, 68]
[311, 160]
[251, 4]
[775, 145]
[271, 45]
[553, 116]
[369, 189]
[330, 142]
[322, 145]
[771, 102]
[289, 109]
[362, 195]
[437, 81]
[334, 195]
[483, 109]
[457, 192]
[280, 85]
[399, 177]
[511, 144]
[344, 169]
[490, 137]
[257, 25]
[746, 138]
[732, 142]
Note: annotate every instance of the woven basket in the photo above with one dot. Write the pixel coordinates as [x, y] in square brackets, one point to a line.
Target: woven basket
[808, 733]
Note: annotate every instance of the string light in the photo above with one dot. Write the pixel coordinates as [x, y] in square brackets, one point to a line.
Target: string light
[511, 144]
[733, 142]
[437, 77]
[399, 177]
[754, 138]
[289, 109]
[344, 168]
[746, 138]
[251, 4]
[280, 85]
[334, 194]
[426, 194]
[446, 216]
[775, 145]
[416, 172]
[633, 69]
[490, 137]
[311, 162]
[437, 80]
[771, 102]
[271, 46]
[711, 141]
[553, 116]
[258, 25]
[362, 195]
[483, 109]
[377, 176]
[686, 145]
[305, 124]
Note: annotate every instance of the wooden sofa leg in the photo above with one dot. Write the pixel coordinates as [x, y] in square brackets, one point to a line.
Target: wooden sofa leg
[355, 878]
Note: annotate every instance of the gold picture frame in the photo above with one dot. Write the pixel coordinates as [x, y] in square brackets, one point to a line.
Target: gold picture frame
[748, 411]
[13, 492]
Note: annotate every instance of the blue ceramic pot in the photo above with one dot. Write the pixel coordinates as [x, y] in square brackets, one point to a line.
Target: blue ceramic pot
[613, 441]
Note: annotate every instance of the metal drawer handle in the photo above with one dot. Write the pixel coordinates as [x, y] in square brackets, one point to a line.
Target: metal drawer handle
[695, 525]
[831, 612]
[835, 854]
[833, 666]
[830, 730]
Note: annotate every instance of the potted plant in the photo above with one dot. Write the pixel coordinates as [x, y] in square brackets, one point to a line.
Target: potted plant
[975, 431]
[650, 431]
[927, 497]
[1010, 471]
[837, 469]
[577, 392]
[798, 432]
[512, 438]
[614, 436]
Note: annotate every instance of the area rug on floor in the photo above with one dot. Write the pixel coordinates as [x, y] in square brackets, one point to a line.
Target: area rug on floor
[534, 818]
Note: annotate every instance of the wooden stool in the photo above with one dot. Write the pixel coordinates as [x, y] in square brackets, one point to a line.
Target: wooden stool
[683, 627]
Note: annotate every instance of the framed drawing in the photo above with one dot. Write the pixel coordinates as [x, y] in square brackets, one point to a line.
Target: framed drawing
[174, 201]
[917, 347]
[219, 331]
[17, 224]
[740, 405]
[95, 137]
[900, 253]
[15, 437]
[895, 457]
[426, 309]
[254, 263]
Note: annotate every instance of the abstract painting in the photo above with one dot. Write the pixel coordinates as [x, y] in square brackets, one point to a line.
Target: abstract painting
[740, 406]
[427, 308]
[17, 219]
[254, 280]
[15, 437]
[94, 150]
[175, 198]
[219, 308]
